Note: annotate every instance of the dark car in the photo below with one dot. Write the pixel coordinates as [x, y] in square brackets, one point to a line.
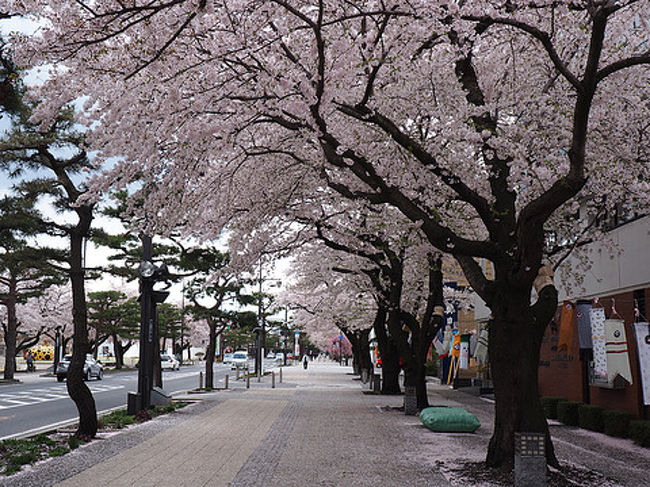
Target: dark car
[92, 368]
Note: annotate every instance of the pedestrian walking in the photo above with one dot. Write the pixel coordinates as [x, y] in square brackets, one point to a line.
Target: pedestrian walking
[30, 362]
[305, 361]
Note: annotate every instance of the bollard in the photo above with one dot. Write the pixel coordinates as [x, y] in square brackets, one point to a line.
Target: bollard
[226, 381]
[259, 375]
[272, 380]
[410, 401]
[201, 380]
[237, 373]
[364, 376]
[280, 375]
[376, 383]
[530, 460]
[248, 381]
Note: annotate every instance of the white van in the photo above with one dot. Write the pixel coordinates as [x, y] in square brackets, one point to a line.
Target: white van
[239, 360]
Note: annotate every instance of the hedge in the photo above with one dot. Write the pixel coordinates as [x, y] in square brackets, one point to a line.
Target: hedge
[549, 404]
[617, 423]
[639, 431]
[590, 417]
[567, 412]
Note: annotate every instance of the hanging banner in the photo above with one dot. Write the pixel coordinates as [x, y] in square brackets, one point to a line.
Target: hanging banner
[618, 361]
[642, 332]
[446, 341]
[455, 347]
[597, 319]
[583, 317]
[438, 343]
[566, 327]
[464, 351]
[481, 353]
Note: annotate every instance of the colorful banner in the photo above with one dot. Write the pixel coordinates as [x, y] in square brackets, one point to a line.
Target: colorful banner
[455, 347]
[566, 327]
[583, 309]
[618, 361]
[642, 332]
[438, 343]
[597, 319]
[464, 351]
[446, 340]
[481, 353]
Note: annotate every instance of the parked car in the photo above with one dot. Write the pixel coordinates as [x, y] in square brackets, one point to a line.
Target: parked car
[239, 360]
[227, 357]
[92, 368]
[279, 358]
[169, 362]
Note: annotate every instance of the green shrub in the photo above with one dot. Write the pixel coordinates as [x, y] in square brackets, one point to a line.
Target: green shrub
[590, 417]
[431, 368]
[567, 412]
[73, 442]
[43, 439]
[639, 431]
[58, 451]
[24, 458]
[550, 406]
[617, 423]
[11, 469]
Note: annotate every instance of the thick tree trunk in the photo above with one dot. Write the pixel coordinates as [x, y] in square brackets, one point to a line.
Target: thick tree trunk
[119, 352]
[356, 352]
[210, 354]
[390, 368]
[10, 335]
[364, 350]
[515, 336]
[77, 389]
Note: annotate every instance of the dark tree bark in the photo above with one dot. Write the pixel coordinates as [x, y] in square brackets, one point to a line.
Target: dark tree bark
[514, 361]
[210, 353]
[77, 389]
[10, 331]
[360, 349]
[390, 368]
[119, 352]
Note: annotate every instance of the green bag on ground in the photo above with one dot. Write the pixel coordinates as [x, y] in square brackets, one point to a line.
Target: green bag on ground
[449, 420]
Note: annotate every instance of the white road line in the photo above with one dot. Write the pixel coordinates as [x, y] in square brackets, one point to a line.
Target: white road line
[52, 426]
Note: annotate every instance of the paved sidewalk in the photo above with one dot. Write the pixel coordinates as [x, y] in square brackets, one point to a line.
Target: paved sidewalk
[316, 428]
[319, 427]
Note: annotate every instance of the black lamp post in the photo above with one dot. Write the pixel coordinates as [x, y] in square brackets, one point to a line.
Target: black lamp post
[57, 347]
[149, 274]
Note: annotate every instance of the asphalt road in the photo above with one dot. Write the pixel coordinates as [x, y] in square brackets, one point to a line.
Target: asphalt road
[41, 403]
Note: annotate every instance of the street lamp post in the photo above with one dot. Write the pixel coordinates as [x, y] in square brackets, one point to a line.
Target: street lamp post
[149, 273]
[57, 347]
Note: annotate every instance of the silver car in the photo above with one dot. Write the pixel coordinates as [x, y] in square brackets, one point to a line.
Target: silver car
[92, 368]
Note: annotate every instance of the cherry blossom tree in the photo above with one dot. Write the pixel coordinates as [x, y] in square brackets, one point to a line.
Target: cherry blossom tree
[486, 123]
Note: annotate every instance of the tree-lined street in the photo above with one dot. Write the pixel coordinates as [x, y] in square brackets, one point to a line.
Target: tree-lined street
[384, 164]
[41, 402]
